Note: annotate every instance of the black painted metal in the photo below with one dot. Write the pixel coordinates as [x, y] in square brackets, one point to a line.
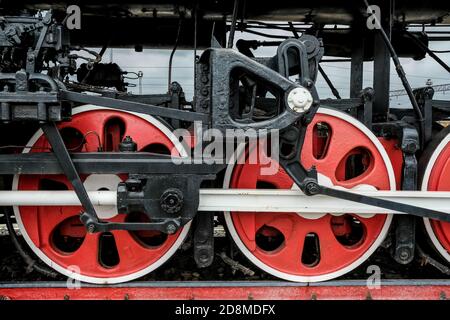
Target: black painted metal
[424, 98]
[382, 65]
[329, 83]
[405, 232]
[221, 94]
[386, 204]
[357, 62]
[430, 52]
[170, 201]
[62, 155]
[105, 162]
[25, 105]
[204, 239]
[133, 106]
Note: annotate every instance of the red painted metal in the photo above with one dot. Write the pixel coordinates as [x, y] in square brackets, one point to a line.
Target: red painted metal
[340, 243]
[396, 156]
[344, 292]
[440, 181]
[136, 250]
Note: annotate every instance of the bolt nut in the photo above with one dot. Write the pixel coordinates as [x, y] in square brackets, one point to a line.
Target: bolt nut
[411, 147]
[91, 228]
[205, 104]
[204, 91]
[171, 228]
[312, 188]
[299, 99]
[127, 145]
[172, 201]
[404, 254]
[205, 79]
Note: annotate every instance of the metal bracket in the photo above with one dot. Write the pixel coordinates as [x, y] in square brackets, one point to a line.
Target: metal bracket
[405, 239]
[25, 105]
[169, 201]
[204, 239]
[220, 90]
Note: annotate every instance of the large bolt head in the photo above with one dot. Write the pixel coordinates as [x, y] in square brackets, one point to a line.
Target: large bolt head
[299, 99]
[171, 228]
[91, 228]
[172, 201]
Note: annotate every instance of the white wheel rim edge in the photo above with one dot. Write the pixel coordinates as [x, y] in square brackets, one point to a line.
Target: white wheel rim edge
[98, 280]
[356, 263]
[426, 178]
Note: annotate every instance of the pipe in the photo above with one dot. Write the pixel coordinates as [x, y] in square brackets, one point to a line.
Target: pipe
[31, 263]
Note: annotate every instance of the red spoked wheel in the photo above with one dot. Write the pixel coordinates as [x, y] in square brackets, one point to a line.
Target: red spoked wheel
[436, 177]
[56, 234]
[309, 248]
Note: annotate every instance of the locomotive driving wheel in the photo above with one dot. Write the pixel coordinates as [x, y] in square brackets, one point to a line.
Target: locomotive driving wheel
[55, 233]
[436, 177]
[304, 247]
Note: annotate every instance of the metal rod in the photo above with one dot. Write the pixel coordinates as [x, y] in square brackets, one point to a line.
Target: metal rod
[249, 200]
[169, 78]
[336, 60]
[430, 52]
[65, 161]
[401, 74]
[291, 26]
[233, 24]
[330, 84]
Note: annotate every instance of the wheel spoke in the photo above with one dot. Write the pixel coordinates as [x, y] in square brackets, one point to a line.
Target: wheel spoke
[311, 250]
[438, 177]
[55, 233]
[87, 256]
[129, 249]
[332, 252]
[289, 255]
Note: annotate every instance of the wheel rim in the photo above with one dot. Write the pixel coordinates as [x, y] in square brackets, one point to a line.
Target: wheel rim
[280, 243]
[437, 178]
[56, 235]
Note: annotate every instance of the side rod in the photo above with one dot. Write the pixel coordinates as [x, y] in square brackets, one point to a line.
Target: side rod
[251, 200]
[62, 155]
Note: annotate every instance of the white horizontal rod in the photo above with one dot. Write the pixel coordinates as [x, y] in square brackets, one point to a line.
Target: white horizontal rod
[55, 198]
[295, 201]
[247, 200]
